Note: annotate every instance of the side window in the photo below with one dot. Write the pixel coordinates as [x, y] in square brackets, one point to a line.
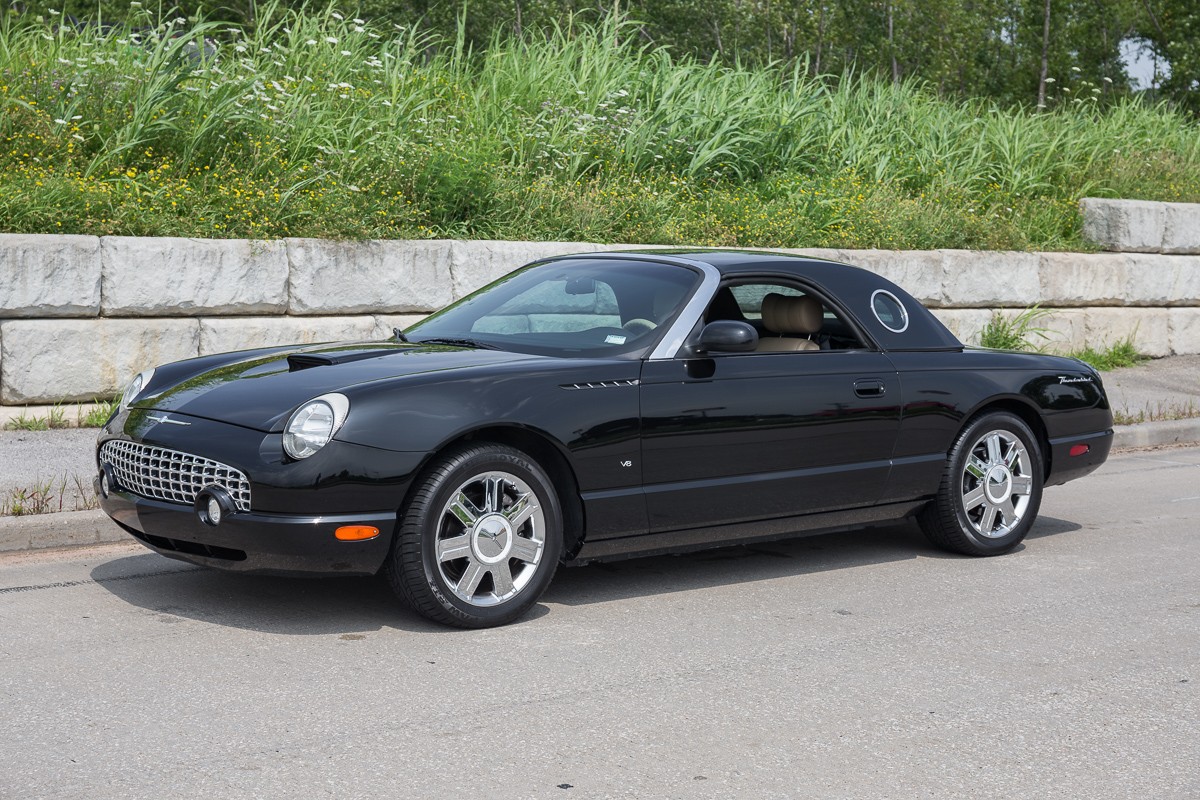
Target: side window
[750, 296]
[787, 318]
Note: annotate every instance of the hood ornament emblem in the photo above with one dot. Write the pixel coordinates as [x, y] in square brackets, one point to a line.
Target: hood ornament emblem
[163, 418]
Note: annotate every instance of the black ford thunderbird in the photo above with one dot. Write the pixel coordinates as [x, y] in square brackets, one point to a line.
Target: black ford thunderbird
[593, 407]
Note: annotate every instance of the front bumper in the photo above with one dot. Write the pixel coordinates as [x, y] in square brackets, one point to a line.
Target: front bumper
[252, 542]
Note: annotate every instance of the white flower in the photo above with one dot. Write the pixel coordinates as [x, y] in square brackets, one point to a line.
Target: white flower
[61, 121]
[311, 42]
[359, 21]
[1049, 80]
[331, 39]
[337, 16]
[347, 53]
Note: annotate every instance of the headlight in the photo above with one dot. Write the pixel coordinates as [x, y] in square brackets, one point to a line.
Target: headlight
[135, 387]
[313, 424]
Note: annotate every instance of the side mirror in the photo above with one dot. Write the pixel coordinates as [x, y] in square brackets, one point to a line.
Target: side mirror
[728, 336]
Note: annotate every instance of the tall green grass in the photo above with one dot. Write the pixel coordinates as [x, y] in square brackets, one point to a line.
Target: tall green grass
[317, 124]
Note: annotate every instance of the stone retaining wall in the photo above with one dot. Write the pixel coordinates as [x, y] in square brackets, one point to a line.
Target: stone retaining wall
[80, 314]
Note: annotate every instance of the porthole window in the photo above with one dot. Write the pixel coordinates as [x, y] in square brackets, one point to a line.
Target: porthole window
[889, 311]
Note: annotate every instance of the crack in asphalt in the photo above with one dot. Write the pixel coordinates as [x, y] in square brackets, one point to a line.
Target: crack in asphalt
[86, 581]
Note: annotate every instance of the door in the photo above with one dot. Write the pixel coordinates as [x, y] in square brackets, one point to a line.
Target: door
[761, 435]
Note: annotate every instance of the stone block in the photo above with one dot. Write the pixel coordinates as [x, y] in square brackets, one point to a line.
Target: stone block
[49, 276]
[965, 323]
[1126, 226]
[1148, 327]
[1064, 329]
[1082, 279]
[988, 279]
[478, 263]
[1158, 280]
[246, 333]
[173, 277]
[385, 277]
[921, 273]
[1181, 228]
[47, 361]
[1184, 326]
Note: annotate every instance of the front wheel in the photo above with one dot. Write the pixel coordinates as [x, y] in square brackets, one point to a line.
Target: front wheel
[480, 539]
[991, 488]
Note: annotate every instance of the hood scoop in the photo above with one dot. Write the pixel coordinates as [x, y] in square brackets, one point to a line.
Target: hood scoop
[299, 361]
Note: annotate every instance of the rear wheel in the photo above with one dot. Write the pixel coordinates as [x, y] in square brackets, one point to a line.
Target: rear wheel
[480, 540]
[991, 488]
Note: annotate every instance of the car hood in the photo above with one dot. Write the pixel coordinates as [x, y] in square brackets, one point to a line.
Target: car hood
[260, 391]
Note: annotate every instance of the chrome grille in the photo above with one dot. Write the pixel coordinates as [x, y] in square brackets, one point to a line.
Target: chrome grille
[170, 475]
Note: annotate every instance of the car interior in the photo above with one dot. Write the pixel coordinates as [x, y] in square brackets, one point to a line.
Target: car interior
[787, 318]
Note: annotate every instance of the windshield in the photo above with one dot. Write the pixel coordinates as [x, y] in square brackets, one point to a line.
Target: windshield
[585, 307]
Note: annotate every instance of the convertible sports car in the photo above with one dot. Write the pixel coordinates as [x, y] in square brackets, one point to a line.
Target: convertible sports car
[592, 407]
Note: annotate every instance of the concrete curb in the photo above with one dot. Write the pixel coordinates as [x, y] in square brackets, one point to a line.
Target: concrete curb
[86, 528]
[63, 529]
[1151, 434]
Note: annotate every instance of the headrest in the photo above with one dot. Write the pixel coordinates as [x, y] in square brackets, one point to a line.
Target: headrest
[791, 315]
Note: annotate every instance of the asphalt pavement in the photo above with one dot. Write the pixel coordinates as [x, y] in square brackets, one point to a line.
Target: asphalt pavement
[858, 665]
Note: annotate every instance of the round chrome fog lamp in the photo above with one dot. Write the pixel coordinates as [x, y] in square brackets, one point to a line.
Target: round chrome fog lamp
[105, 481]
[214, 511]
[214, 504]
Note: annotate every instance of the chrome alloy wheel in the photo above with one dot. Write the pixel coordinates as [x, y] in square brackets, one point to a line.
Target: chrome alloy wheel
[997, 484]
[490, 540]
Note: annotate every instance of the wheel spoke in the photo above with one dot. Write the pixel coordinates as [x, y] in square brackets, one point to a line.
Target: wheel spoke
[493, 494]
[1012, 456]
[974, 498]
[1022, 484]
[525, 549]
[454, 547]
[993, 448]
[502, 578]
[988, 522]
[521, 510]
[1008, 514]
[464, 510]
[469, 582]
[976, 467]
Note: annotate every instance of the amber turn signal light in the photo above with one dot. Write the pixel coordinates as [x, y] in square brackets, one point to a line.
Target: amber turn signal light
[356, 533]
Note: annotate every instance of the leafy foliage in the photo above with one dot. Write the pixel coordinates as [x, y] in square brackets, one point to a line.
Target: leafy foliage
[315, 124]
[1014, 333]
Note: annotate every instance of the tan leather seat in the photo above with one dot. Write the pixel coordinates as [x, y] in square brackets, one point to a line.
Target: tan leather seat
[791, 318]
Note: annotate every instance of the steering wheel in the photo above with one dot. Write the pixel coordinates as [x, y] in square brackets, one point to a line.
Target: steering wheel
[637, 326]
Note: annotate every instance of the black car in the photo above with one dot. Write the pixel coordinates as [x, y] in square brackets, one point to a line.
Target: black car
[593, 407]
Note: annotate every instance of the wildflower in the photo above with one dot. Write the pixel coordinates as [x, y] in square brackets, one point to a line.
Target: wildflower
[331, 39]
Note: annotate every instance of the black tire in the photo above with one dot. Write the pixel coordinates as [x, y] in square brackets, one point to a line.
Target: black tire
[480, 539]
[987, 514]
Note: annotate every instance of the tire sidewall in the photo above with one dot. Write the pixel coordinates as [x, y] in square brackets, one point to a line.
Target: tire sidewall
[1012, 424]
[469, 464]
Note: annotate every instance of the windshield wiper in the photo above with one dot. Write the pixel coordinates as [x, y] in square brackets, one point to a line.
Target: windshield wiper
[459, 343]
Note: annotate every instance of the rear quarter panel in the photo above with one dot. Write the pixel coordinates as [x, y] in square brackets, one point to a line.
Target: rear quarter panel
[942, 390]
